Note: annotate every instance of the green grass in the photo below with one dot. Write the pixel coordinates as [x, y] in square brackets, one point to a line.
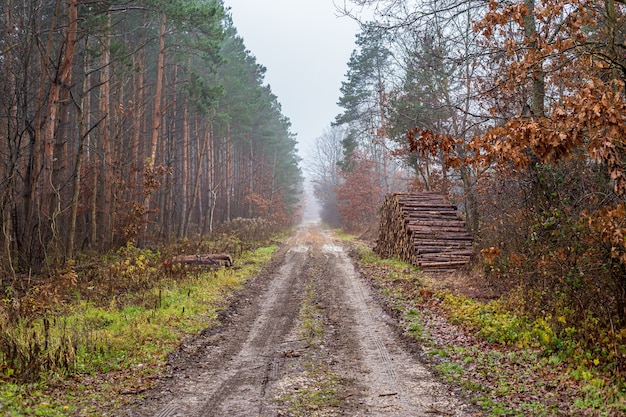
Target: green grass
[311, 327]
[320, 397]
[342, 235]
[89, 339]
[415, 325]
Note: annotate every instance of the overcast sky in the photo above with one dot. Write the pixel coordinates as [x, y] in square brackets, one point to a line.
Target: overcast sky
[305, 47]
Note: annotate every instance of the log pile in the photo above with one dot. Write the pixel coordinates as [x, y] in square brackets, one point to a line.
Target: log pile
[424, 230]
[212, 260]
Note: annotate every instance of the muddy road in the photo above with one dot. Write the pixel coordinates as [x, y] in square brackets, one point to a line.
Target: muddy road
[304, 338]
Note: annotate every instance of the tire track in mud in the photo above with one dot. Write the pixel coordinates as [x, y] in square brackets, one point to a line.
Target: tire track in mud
[257, 361]
[229, 373]
[242, 391]
[384, 393]
[394, 382]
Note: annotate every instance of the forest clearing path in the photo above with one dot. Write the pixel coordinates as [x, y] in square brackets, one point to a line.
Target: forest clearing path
[304, 338]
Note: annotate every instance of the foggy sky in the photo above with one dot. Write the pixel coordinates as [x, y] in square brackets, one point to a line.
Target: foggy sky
[305, 48]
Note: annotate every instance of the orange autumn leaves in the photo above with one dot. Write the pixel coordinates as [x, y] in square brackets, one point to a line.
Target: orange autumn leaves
[573, 51]
[593, 120]
[359, 194]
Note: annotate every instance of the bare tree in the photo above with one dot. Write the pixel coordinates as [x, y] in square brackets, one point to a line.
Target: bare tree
[324, 171]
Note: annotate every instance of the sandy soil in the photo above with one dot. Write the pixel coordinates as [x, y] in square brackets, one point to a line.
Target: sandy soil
[304, 338]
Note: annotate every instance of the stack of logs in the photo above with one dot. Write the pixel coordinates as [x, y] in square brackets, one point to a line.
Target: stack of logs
[425, 230]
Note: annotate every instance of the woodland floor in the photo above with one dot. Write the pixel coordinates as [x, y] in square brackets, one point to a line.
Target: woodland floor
[308, 337]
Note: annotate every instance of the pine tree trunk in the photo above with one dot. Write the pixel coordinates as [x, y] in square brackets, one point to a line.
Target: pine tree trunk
[34, 197]
[195, 197]
[157, 109]
[6, 175]
[212, 183]
[184, 189]
[138, 120]
[93, 240]
[228, 177]
[62, 80]
[83, 131]
[104, 109]
[251, 181]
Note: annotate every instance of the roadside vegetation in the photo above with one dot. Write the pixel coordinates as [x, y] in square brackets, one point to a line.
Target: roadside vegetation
[104, 336]
[506, 361]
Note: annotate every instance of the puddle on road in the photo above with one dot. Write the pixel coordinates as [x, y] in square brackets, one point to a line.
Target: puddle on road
[299, 249]
[329, 248]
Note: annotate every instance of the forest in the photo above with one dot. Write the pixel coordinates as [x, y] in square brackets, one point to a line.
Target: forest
[136, 130]
[143, 121]
[517, 111]
[131, 132]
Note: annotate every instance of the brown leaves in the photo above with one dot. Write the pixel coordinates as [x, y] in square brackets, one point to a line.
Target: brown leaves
[610, 224]
[490, 254]
[360, 195]
[428, 143]
[496, 18]
[593, 118]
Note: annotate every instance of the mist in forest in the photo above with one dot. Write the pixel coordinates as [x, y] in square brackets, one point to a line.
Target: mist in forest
[311, 211]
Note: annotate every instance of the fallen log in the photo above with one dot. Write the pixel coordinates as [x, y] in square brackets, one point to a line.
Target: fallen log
[441, 243]
[443, 258]
[439, 224]
[450, 251]
[211, 260]
[443, 236]
[444, 265]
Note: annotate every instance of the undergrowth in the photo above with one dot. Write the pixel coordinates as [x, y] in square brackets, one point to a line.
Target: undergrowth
[509, 363]
[118, 325]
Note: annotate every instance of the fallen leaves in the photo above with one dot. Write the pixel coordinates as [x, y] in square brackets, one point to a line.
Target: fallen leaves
[501, 379]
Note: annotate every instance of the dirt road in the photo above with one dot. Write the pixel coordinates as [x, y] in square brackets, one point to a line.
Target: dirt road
[305, 338]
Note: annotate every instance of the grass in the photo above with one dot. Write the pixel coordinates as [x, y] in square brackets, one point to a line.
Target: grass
[509, 364]
[319, 397]
[415, 324]
[311, 326]
[88, 353]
